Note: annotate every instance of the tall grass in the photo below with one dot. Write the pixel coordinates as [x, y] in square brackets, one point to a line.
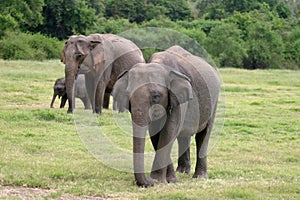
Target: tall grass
[255, 157]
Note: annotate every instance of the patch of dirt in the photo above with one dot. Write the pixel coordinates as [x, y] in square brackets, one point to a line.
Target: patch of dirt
[25, 193]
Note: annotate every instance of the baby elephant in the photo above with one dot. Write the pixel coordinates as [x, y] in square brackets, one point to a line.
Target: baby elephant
[80, 91]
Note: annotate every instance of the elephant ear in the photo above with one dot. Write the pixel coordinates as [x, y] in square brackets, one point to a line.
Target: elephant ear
[91, 60]
[120, 93]
[96, 47]
[63, 57]
[180, 89]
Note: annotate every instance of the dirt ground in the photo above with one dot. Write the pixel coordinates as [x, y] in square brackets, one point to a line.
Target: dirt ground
[25, 193]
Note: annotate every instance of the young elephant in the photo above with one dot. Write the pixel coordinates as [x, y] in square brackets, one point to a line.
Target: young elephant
[80, 91]
[173, 96]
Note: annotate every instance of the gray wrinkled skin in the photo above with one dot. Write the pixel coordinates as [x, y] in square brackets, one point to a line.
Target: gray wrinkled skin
[59, 89]
[174, 96]
[101, 57]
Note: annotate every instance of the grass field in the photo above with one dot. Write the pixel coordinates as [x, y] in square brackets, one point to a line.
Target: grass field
[257, 155]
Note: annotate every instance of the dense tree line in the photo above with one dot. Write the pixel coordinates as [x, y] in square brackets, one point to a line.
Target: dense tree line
[237, 33]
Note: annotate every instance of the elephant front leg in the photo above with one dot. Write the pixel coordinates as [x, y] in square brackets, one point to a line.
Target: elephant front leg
[163, 166]
[53, 99]
[158, 173]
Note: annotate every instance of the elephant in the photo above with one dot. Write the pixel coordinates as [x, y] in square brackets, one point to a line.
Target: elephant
[80, 92]
[101, 58]
[173, 96]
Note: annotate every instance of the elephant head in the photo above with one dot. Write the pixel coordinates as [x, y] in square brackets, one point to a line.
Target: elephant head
[76, 49]
[152, 93]
[102, 58]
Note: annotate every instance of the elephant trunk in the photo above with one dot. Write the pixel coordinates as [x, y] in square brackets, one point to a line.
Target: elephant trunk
[139, 127]
[70, 87]
[53, 98]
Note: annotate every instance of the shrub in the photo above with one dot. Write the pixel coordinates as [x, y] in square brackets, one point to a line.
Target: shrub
[24, 46]
[225, 44]
[265, 47]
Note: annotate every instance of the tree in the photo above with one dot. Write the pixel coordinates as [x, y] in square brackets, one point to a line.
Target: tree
[20, 14]
[265, 47]
[176, 9]
[97, 5]
[139, 11]
[66, 17]
[225, 44]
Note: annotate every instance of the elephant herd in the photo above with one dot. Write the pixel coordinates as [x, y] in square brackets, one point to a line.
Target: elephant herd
[173, 96]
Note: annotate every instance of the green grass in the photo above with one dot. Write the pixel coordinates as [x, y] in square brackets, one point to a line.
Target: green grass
[255, 157]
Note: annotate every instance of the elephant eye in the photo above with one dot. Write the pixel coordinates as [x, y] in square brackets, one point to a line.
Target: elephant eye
[79, 57]
[155, 98]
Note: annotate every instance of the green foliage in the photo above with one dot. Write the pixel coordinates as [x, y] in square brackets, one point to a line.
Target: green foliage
[226, 28]
[225, 44]
[42, 151]
[29, 47]
[140, 11]
[66, 17]
[265, 47]
[113, 26]
[292, 49]
[20, 14]
[98, 5]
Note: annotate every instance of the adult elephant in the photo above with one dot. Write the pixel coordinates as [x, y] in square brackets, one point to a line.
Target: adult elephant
[173, 96]
[101, 57]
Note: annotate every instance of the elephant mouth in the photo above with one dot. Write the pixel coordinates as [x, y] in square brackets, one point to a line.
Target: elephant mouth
[156, 112]
[82, 69]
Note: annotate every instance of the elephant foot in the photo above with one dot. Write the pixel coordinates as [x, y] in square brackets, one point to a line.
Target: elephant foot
[200, 175]
[184, 169]
[157, 175]
[146, 182]
[70, 111]
[98, 111]
[184, 164]
[172, 178]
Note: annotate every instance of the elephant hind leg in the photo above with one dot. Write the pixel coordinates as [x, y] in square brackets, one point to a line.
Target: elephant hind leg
[106, 100]
[184, 163]
[201, 145]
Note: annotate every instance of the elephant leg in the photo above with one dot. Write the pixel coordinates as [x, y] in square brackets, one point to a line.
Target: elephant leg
[162, 161]
[90, 88]
[184, 163]
[154, 136]
[64, 99]
[86, 102]
[99, 97]
[106, 100]
[202, 140]
[154, 130]
[53, 99]
[201, 145]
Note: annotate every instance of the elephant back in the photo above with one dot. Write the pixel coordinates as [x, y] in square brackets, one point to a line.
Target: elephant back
[204, 78]
[120, 46]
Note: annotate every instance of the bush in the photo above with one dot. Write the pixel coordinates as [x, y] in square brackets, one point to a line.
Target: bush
[23, 46]
[113, 26]
[225, 44]
[265, 47]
